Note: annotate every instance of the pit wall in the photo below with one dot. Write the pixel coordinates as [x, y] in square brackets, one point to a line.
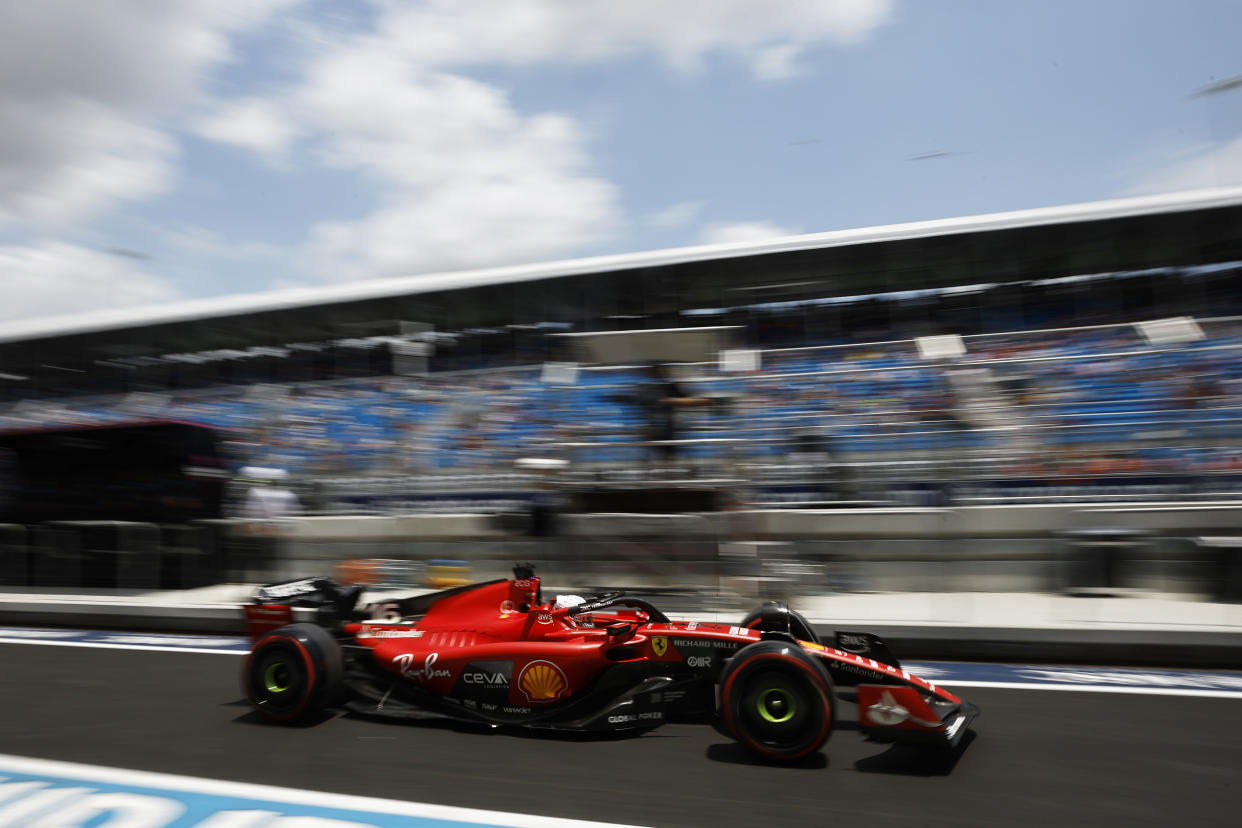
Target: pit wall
[1168, 548]
[1163, 547]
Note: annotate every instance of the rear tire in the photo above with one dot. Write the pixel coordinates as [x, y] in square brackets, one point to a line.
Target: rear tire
[293, 673]
[776, 701]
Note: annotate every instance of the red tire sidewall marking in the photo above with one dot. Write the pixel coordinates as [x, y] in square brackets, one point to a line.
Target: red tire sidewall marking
[307, 662]
[817, 680]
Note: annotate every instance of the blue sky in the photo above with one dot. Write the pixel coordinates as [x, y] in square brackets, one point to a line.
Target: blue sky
[157, 152]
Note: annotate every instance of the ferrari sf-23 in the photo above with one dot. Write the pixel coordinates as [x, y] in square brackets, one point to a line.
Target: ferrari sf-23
[498, 653]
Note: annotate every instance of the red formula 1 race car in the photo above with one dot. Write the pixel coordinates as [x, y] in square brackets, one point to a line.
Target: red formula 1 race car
[497, 653]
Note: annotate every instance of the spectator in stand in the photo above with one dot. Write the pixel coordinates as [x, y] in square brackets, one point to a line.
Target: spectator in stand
[1201, 391]
[659, 398]
[268, 497]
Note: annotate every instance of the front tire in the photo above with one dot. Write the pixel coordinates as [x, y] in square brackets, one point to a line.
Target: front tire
[776, 701]
[293, 672]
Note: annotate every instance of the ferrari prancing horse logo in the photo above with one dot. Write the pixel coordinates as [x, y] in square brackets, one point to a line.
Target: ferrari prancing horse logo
[659, 645]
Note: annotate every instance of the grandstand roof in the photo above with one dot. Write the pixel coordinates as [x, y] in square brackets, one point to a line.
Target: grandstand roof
[433, 282]
[1178, 229]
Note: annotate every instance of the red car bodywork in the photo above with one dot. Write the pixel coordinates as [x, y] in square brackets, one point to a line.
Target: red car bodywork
[496, 652]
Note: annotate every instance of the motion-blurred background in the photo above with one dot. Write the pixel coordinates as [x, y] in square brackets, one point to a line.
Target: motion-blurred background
[1019, 377]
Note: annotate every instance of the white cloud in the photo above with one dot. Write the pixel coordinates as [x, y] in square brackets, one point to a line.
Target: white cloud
[744, 231]
[1202, 167]
[85, 89]
[51, 278]
[79, 158]
[768, 35]
[464, 180]
[469, 223]
[776, 62]
[92, 94]
[63, 160]
[250, 123]
[675, 215]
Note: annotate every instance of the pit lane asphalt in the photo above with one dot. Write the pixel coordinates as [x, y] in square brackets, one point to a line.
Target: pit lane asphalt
[1037, 757]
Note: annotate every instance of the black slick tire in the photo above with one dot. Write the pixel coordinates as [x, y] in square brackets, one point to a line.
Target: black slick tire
[777, 701]
[293, 673]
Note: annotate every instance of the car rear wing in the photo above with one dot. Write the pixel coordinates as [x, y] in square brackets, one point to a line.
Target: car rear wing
[272, 605]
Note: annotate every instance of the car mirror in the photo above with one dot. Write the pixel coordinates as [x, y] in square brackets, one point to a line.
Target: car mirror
[620, 631]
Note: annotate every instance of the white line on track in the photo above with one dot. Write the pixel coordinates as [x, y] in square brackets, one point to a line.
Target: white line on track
[1096, 688]
[315, 799]
[105, 646]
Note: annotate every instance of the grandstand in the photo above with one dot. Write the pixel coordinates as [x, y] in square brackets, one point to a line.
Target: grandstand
[411, 393]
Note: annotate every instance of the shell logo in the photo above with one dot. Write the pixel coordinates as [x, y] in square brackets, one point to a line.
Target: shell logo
[542, 681]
